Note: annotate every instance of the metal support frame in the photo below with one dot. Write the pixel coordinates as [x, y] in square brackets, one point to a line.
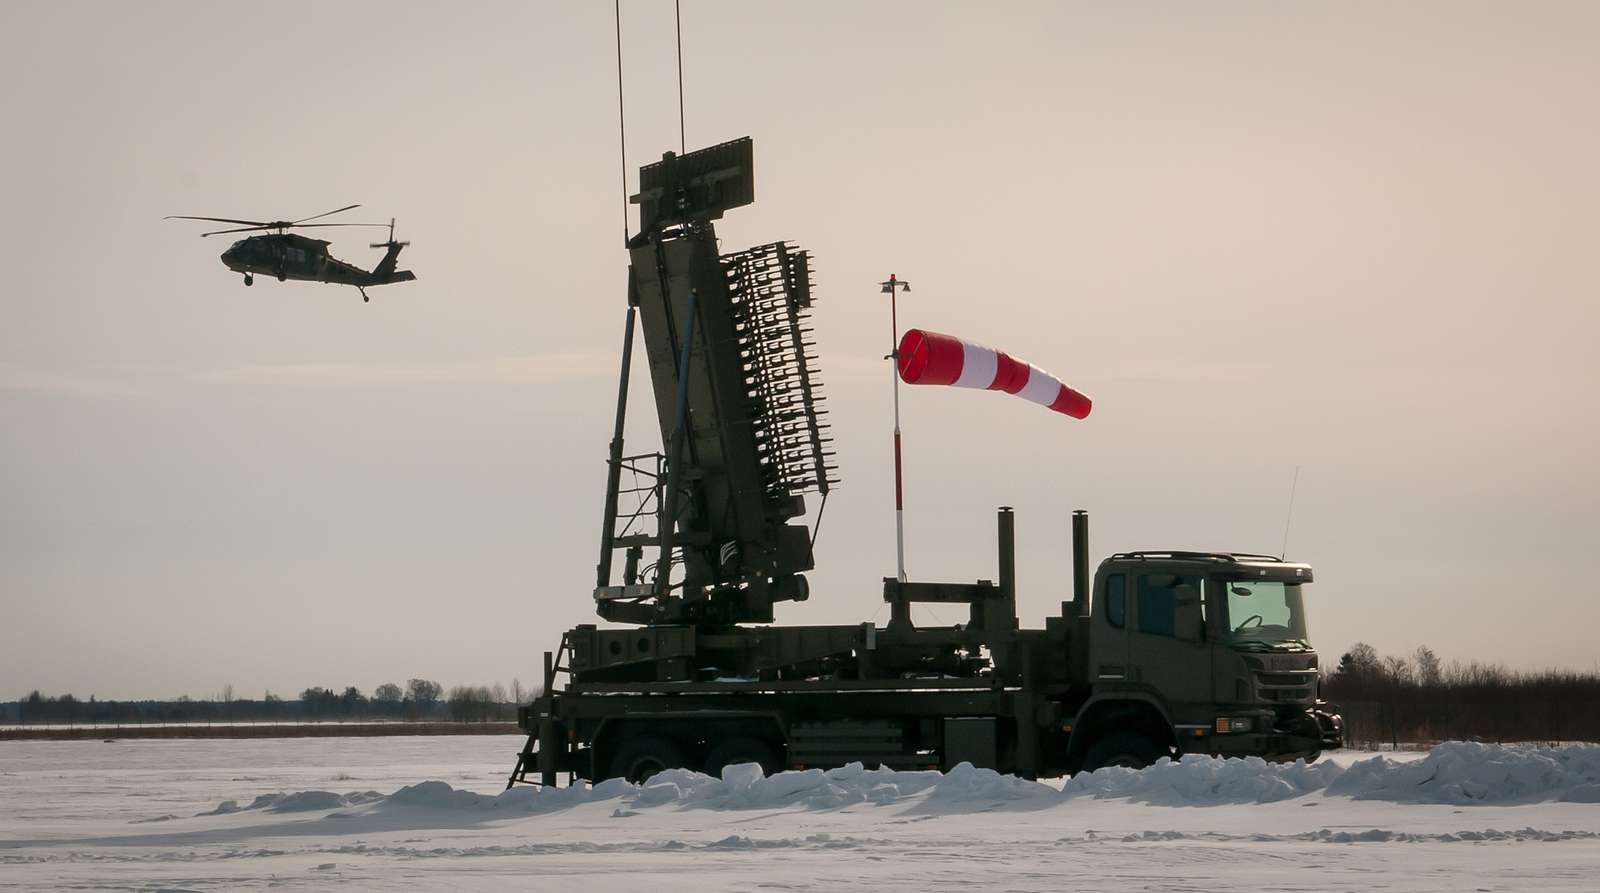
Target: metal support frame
[669, 505]
[614, 463]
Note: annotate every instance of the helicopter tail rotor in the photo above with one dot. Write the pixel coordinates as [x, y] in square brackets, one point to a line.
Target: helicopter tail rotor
[391, 243]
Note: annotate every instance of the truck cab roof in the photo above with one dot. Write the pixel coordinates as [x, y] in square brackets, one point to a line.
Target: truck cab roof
[1243, 563]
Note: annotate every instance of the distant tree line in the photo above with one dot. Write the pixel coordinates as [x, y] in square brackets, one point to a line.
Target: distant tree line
[1417, 698]
[418, 700]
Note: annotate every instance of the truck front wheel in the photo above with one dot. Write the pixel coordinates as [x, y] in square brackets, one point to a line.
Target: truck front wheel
[1130, 750]
[642, 756]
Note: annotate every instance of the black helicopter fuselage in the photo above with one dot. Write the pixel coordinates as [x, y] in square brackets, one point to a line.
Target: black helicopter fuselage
[289, 255]
[293, 256]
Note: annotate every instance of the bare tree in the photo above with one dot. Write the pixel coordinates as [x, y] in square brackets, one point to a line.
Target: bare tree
[1429, 671]
[352, 702]
[471, 703]
[386, 698]
[1397, 670]
[423, 695]
[1361, 663]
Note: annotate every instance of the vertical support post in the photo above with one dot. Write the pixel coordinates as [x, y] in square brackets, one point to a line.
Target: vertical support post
[548, 740]
[899, 606]
[1080, 563]
[1017, 650]
[1026, 710]
[893, 288]
[669, 503]
[608, 523]
[1008, 565]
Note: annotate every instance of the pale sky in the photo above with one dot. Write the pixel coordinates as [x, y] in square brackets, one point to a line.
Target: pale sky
[1357, 239]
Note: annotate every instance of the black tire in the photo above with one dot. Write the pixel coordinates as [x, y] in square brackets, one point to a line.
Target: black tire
[741, 750]
[1129, 749]
[642, 756]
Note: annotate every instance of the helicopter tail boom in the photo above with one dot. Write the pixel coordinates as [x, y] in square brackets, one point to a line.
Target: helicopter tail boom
[385, 270]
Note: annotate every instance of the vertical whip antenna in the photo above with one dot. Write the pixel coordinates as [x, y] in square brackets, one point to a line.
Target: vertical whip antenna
[677, 22]
[622, 126]
[1288, 516]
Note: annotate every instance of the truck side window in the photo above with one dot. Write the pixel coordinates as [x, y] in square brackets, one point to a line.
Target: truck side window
[1156, 605]
[1169, 605]
[1116, 600]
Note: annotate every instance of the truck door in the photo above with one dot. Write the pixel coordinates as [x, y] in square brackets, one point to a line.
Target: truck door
[1169, 651]
[1108, 641]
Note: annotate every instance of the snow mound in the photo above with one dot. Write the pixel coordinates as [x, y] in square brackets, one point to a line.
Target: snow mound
[1199, 780]
[1463, 773]
[436, 795]
[745, 787]
[1455, 773]
[300, 801]
[740, 787]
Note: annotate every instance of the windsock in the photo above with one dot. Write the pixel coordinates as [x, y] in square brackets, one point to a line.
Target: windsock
[931, 358]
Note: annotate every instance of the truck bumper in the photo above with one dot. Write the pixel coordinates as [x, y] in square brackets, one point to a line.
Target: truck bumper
[1276, 737]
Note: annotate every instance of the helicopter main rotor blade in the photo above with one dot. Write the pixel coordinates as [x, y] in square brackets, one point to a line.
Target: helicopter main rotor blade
[242, 229]
[309, 225]
[324, 214]
[214, 219]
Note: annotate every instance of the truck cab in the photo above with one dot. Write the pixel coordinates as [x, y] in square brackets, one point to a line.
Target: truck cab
[1214, 644]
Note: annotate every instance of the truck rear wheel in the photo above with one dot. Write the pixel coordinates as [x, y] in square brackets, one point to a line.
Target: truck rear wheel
[642, 756]
[1130, 750]
[741, 750]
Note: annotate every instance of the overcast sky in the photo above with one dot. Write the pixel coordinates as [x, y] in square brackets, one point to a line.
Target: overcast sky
[1357, 239]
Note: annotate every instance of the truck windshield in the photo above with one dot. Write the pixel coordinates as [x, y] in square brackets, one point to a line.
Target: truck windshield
[1266, 614]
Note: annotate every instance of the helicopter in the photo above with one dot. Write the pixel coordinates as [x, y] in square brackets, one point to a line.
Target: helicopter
[289, 255]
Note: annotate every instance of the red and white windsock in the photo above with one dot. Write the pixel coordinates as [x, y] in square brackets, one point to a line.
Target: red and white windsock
[931, 358]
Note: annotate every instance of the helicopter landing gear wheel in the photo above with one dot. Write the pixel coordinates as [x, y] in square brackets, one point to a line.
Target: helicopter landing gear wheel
[363, 294]
[249, 279]
[281, 276]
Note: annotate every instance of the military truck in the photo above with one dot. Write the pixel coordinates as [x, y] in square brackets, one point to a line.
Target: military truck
[1167, 653]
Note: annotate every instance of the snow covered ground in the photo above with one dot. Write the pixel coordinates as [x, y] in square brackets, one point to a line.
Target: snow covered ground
[379, 813]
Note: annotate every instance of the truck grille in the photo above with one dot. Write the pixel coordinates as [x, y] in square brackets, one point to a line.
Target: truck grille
[1279, 687]
[1284, 678]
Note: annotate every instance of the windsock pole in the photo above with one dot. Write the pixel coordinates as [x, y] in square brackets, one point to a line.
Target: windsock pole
[893, 288]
